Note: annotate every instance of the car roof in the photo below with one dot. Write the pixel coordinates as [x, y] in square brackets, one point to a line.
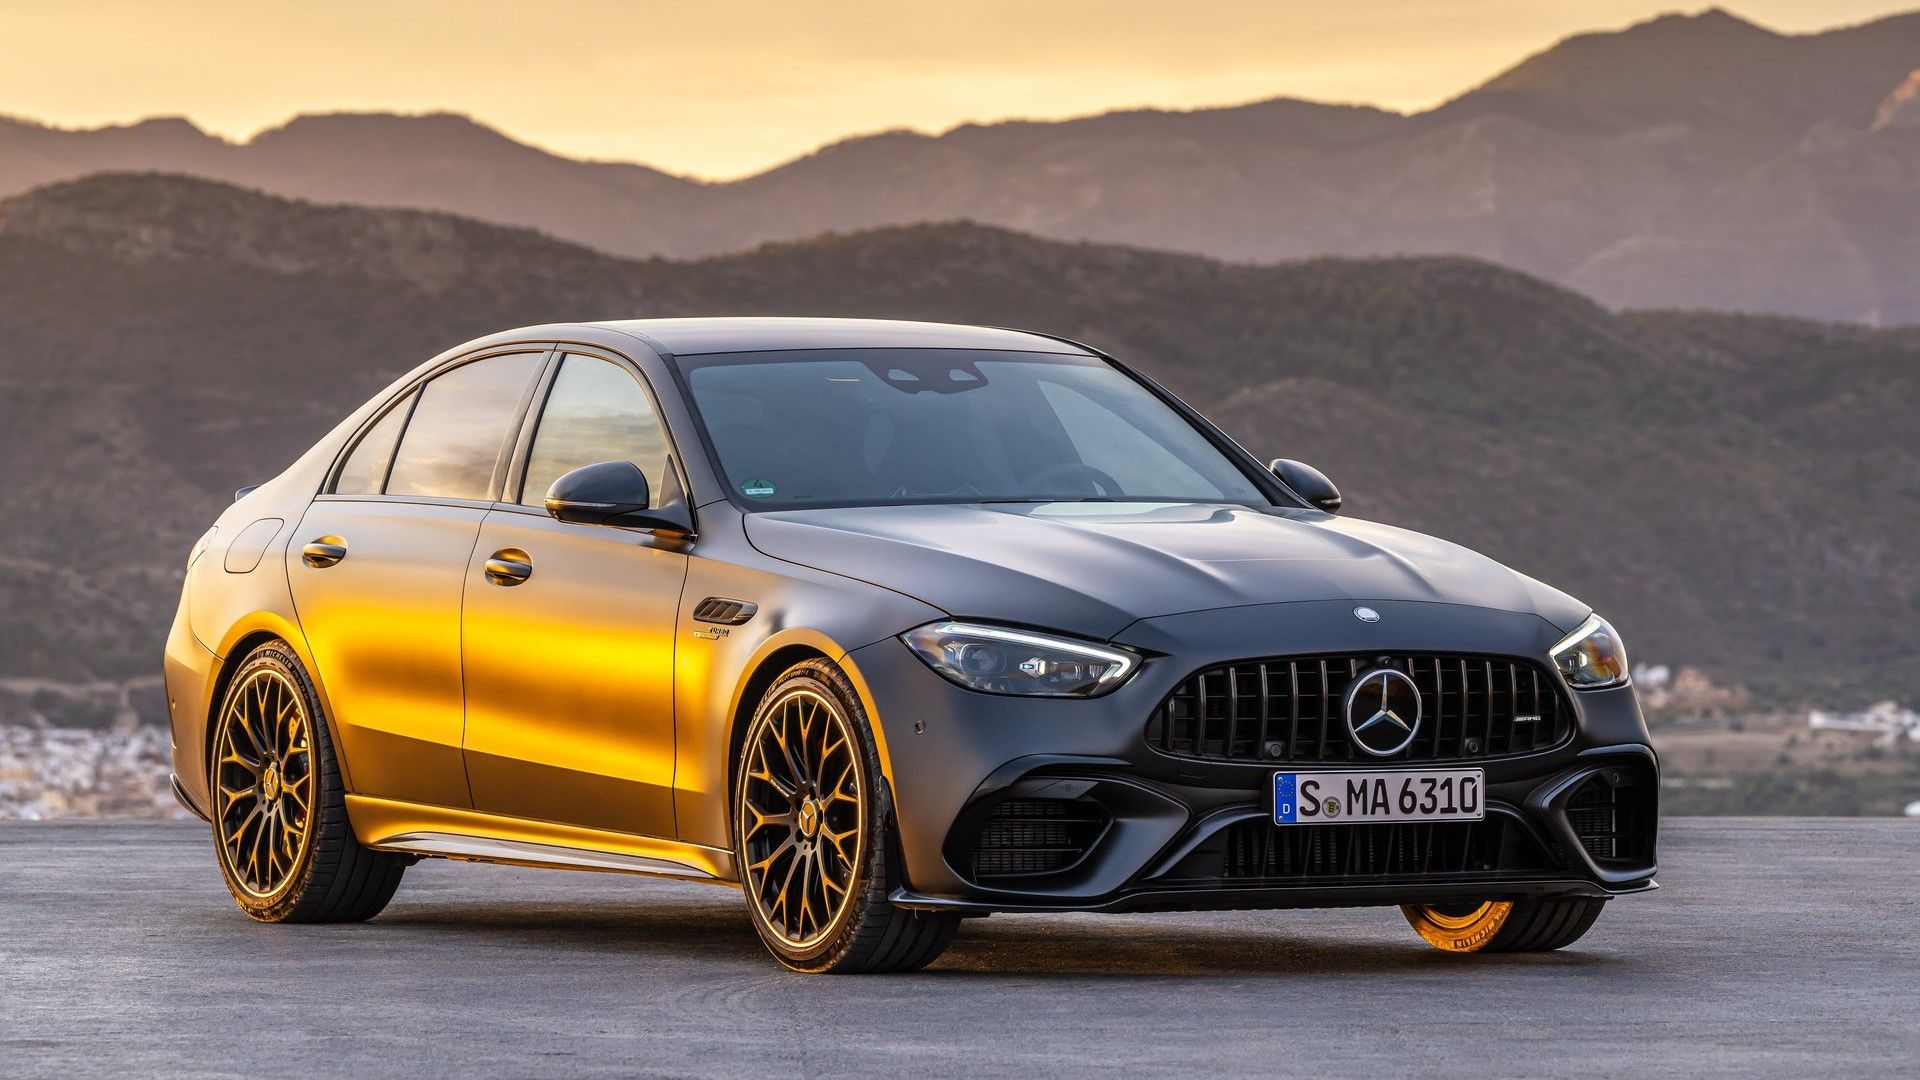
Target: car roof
[691, 337]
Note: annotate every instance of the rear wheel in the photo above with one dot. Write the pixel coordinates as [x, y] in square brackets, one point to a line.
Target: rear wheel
[1504, 925]
[280, 814]
[812, 823]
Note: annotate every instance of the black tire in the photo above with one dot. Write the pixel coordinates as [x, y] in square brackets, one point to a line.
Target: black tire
[330, 877]
[866, 933]
[1506, 926]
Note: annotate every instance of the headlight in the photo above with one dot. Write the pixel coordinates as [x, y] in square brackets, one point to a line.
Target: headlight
[1592, 657]
[996, 660]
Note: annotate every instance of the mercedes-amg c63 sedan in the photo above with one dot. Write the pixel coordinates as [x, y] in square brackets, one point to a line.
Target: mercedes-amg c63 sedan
[888, 625]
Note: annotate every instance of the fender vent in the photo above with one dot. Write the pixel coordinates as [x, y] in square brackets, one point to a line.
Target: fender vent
[719, 609]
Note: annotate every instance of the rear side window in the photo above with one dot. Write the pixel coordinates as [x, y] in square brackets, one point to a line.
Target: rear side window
[365, 471]
[596, 412]
[453, 440]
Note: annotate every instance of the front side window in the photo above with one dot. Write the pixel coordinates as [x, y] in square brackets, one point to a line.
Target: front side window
[452, 443]
[595, 412]
[880, 426]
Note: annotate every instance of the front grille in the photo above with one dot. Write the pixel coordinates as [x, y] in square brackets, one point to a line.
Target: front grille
[1413, 849]
[1290, 709]
[1613, 815]
[1028, 837]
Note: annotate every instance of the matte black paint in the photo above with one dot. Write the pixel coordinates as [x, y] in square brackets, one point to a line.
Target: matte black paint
[1092, 569]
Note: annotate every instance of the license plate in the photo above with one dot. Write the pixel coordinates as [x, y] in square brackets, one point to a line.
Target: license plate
[1341, 798]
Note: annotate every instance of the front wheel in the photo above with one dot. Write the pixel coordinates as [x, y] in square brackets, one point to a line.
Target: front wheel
[1504, 925]
[812, 822]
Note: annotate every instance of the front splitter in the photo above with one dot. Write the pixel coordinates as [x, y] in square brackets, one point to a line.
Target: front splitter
[1263, 897]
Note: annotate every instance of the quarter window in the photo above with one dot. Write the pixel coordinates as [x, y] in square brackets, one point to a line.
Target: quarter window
[595, 412]
[365, 471]
[453, 441]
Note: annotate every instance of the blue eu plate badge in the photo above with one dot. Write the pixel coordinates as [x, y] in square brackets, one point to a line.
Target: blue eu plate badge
[1285, 809]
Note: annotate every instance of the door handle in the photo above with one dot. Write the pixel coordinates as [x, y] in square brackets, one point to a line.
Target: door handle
[324, 552]
[509, 566]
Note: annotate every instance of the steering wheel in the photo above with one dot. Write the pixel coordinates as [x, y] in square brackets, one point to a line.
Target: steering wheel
[1100, 482]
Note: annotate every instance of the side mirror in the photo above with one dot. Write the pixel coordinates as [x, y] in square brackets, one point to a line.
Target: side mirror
[617, 493]
[1308, 482]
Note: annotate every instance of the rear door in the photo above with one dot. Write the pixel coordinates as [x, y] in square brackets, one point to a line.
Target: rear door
[569, 670]
[379, 563]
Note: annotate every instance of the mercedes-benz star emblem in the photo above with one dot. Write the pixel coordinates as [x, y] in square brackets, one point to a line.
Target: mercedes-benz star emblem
[1366, 614]
[1383, 712]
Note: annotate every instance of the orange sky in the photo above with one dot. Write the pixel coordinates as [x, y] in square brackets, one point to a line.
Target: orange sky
[724, 87]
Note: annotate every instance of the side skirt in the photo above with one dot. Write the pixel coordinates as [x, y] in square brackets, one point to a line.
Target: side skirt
[446, 832]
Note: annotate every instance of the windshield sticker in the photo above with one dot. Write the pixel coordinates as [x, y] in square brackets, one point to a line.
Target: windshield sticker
[756, 488]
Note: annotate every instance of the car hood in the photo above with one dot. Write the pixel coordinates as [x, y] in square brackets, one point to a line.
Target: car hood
[1094, 568]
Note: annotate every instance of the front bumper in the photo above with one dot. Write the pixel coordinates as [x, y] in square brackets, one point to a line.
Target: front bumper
[1150, 831]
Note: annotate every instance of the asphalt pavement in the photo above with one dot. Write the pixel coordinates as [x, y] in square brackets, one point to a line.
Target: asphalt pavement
[1777, 947]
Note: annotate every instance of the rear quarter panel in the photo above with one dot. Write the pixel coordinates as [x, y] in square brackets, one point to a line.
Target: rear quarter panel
[236, 594]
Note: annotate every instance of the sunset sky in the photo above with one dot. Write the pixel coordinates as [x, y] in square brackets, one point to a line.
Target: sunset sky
[723, 87]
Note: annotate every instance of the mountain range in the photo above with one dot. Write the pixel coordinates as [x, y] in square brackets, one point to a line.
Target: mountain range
[1686, 162]
[1735, 492]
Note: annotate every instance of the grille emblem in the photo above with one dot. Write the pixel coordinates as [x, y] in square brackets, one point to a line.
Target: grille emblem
[1366, 614]
[1383, 712]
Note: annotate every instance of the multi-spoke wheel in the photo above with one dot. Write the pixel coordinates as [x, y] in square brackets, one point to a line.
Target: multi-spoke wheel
[810, 829]
[1504, 925]
[263, 782]
[279, 822]
[801, 805]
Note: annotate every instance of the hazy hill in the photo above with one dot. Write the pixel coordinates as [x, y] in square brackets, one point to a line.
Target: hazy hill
[1736, 492]
[1717, 69]
[1686, 161]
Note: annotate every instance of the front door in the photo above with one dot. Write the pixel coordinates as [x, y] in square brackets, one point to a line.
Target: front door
[569, 668]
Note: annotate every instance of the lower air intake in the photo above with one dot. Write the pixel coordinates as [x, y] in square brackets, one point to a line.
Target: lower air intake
[1613, 814]
[1259, 852]
[1033, 837]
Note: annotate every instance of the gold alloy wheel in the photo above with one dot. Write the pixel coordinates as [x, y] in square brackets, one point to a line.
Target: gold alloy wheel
[801, 808]
[264, 783]
[1461, 928]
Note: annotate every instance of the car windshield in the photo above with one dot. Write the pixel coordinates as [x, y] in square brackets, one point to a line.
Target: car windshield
[863, 427]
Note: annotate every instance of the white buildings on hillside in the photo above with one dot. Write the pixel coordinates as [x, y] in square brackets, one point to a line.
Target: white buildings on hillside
[1889, 721]
[51, 772]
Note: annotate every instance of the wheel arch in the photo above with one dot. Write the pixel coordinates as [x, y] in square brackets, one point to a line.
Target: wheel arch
[775, 658]
[758, 676]
[246, 635]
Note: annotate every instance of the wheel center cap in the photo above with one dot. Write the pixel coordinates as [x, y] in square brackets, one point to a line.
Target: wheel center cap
[809, 817]
[270, 783]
